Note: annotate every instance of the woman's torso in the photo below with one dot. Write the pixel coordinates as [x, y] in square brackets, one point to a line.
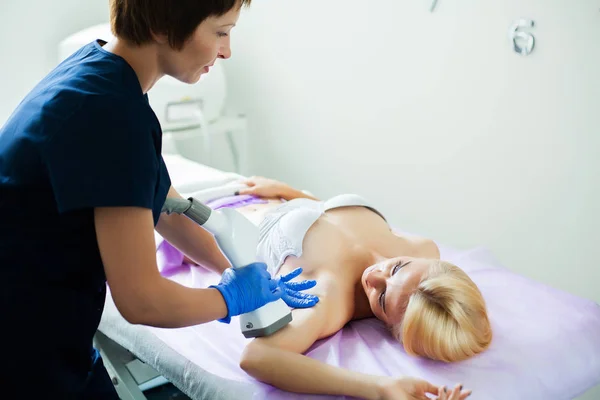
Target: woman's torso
[337, 247]
[340, 237]
[65, 150]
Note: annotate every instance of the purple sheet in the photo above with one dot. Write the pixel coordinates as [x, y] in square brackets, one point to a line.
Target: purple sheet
[235, 201]
[546, 343]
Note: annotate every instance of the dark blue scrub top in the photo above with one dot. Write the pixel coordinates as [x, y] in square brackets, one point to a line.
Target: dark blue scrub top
[84, 137]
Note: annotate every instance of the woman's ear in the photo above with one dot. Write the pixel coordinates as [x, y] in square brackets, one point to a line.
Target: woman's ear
[160, 38]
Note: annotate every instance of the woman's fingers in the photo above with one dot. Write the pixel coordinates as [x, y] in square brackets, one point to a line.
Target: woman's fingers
[442, 393]
[248, 190]
[430, 388]
[302, 285]
[300, 295]
[249, 181]
[455, 393]
[291, 275]
[458, 393]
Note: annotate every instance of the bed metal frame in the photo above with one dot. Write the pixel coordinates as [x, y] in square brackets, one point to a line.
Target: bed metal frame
[130, 376]
[137, 360]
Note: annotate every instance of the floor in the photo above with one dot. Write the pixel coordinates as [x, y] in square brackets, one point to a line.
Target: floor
[165, 392]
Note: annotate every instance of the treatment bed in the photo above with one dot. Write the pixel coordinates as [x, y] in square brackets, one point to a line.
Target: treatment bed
[546, 342]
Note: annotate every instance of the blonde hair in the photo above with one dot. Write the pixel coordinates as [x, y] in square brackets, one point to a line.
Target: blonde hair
[446, 317]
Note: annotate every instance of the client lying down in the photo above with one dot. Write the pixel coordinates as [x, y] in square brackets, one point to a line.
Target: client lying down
[362, 269]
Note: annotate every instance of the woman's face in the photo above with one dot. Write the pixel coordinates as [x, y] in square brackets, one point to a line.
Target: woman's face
[209, 41]
[388, 285]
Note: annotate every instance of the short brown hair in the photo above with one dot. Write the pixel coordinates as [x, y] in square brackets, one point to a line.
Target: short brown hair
[136, 20]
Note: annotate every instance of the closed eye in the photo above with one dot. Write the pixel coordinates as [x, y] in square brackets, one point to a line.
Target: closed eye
[382, 295]
[382, 300]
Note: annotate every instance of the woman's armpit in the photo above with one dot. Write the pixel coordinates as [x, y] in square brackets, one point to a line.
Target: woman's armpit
[308, 325]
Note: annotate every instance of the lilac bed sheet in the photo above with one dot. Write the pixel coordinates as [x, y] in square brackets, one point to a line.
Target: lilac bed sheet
[234, 201]
[546, 343]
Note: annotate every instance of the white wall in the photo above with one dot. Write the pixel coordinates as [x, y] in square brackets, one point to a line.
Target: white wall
[30, 32]
[437, 120]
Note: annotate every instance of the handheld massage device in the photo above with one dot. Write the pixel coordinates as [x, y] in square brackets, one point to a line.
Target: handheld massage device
[238, 239]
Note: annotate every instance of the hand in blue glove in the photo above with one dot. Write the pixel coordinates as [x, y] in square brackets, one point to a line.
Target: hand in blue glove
[247, 288]
[291, 290]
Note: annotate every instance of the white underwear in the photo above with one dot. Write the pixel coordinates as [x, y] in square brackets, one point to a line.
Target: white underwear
[282, 231]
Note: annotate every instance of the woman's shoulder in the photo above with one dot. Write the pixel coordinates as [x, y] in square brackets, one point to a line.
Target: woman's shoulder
[422, 246]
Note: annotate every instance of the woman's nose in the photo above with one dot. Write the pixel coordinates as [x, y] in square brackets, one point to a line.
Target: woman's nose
[376, 279]
[225, 52]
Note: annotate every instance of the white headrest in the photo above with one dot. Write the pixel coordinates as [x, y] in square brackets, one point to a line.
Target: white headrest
[75, 41]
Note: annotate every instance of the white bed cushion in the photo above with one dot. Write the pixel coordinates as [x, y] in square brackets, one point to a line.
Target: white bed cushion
[189, 177]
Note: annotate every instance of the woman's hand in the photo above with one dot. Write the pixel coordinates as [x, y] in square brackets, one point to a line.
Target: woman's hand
[417, 389]
[265, 188]
[455, 394]
[292, 294]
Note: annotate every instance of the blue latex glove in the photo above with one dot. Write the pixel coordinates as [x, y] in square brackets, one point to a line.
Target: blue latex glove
[246, 289]
[291, 290]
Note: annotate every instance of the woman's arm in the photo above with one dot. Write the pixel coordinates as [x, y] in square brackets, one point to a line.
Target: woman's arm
[270, 188]
[278, 359]
[125, 238]
[126, 242]
[192, 240]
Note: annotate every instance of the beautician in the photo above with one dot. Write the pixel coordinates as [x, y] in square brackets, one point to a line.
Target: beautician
[82, 184]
